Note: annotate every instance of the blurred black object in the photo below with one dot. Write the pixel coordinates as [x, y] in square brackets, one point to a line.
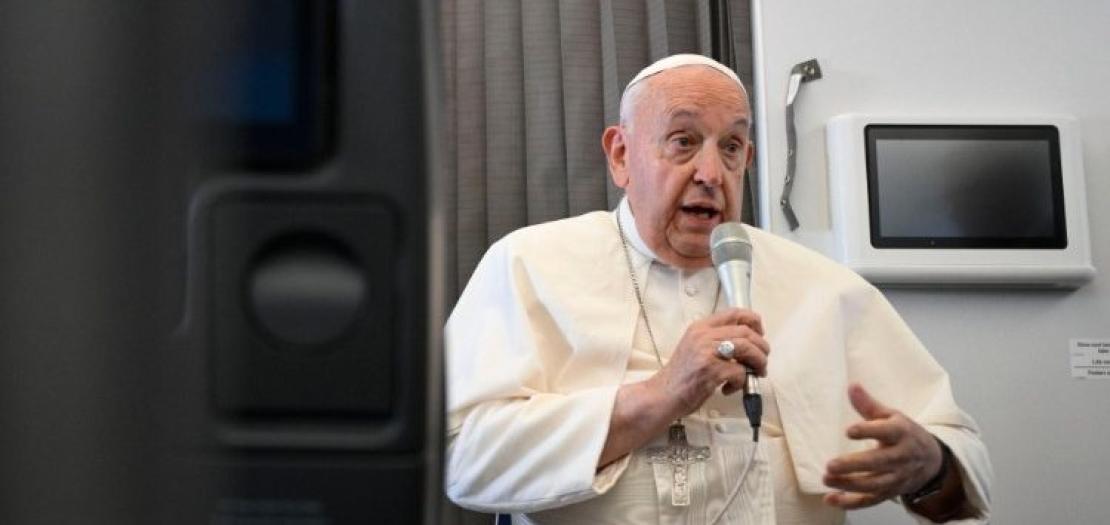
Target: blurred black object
[266, 95]
[185, 338]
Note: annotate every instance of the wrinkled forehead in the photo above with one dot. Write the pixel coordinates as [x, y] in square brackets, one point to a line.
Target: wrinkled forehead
[692, 92]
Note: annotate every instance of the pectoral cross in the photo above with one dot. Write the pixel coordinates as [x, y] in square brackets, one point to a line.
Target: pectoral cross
[680, 455]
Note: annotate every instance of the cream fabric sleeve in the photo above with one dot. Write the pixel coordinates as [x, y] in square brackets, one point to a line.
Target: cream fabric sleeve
[521, 439]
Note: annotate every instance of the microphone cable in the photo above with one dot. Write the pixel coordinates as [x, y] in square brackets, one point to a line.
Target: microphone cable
[739, 484]
[753, 404]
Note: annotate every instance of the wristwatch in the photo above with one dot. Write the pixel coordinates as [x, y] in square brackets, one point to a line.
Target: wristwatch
[936, 483]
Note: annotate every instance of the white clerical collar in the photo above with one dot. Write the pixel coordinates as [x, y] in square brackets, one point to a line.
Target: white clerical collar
[624, 214]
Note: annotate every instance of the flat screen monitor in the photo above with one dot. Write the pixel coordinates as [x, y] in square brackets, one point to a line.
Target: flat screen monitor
[938, 186]
[959, 200]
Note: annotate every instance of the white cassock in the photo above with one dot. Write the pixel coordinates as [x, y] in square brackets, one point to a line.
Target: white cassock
[549, 328]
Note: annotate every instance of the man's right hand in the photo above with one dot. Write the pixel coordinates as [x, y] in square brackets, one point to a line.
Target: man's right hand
[695, 370]
[644, 409]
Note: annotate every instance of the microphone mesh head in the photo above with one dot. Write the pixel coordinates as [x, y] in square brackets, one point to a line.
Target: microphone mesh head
[730, 242]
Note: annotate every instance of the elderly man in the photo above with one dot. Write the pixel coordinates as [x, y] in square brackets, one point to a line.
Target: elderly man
[586, 377]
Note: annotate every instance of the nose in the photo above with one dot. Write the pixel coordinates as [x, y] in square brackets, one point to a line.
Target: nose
[710, 167]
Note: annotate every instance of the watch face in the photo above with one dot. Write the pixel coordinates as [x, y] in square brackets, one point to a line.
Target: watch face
[923, 494]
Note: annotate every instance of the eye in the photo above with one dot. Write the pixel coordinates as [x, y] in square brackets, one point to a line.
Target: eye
[681, 144]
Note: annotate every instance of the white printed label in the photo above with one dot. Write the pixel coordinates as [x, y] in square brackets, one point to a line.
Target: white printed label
[1090, 358]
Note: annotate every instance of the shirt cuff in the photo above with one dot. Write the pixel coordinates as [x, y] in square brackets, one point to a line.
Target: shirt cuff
[610, 474]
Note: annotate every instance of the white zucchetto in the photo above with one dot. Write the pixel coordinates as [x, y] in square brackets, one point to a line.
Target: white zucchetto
[686, 59]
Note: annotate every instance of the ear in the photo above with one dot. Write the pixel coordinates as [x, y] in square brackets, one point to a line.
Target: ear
[616, 151]
[751, 155]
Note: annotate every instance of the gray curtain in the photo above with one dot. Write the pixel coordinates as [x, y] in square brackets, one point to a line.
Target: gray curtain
[529, 87]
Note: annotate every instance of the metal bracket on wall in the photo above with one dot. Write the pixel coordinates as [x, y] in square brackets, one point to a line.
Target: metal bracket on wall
[800, 73]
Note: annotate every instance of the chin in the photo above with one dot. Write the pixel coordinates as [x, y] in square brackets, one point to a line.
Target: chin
[692, 248]
[692, 244]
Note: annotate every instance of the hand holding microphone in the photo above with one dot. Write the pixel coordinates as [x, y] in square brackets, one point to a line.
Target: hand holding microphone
[700, 362]
[731, 249]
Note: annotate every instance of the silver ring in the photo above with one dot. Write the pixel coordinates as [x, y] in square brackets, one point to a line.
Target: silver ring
[726, 350]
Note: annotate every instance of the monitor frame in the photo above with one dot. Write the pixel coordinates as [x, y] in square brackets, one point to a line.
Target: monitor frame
[1067, 266]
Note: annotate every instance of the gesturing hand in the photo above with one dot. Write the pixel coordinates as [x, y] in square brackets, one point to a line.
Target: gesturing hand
[695, 370]
[906, 456]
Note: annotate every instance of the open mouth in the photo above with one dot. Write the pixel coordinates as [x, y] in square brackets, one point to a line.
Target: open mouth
[701, 211]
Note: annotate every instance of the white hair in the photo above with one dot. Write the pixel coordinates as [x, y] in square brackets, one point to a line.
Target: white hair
[629, 100]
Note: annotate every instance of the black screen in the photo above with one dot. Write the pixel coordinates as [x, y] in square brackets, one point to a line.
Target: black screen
[943, 186]
[268, 89]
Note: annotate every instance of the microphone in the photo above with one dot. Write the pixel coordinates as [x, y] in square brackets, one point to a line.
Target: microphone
[731, 250]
